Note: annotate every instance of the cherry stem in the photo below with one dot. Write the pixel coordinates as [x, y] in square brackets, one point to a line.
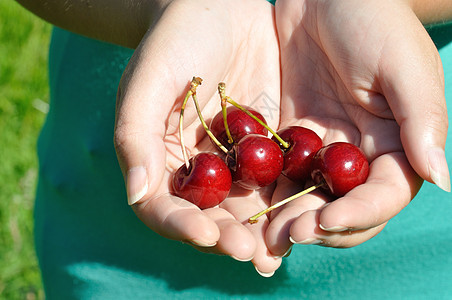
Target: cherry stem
[193, 85]
[206, 128]
[254, 219]
[221, 91]
[283, 143]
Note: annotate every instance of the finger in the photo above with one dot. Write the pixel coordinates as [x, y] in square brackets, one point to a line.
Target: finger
[391, 185]
[235, 239]
[242, 208]
[278, 232]
[178, 219]
[414, 88]
[306, 230]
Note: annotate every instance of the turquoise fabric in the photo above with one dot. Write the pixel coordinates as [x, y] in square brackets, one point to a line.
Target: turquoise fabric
[90, 244]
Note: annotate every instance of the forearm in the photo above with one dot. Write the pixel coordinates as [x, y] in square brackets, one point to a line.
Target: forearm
[119, 22]
[432, 11]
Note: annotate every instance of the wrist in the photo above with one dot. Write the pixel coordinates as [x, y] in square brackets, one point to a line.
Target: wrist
[431, 11]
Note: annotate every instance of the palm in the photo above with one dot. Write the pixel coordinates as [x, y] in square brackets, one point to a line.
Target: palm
[345, 73]
[216, 47]
[331, 83]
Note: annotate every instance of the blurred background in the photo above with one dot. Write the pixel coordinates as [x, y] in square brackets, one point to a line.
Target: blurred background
[24, 97]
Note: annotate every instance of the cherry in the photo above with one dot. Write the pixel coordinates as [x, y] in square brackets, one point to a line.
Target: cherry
[342, 166]
[303, 144]
[255, 161]
[206, 182]
[239, 123]
[338, 168]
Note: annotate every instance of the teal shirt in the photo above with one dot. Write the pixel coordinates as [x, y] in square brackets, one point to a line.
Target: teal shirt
[91, 245]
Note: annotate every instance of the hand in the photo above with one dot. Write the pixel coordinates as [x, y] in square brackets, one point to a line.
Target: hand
[366, 73]
[230, 41]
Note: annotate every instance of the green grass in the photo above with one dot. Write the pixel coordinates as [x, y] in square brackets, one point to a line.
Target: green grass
[24, 40]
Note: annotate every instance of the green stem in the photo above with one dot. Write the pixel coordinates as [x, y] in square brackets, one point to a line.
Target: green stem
[206, 128]
[225, 121]
[193, 85]
[254, 219]
[181, 129]
[283, 143]
[221, 91]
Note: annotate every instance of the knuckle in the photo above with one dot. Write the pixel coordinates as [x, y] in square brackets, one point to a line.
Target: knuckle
[123, 136]
[438, 120]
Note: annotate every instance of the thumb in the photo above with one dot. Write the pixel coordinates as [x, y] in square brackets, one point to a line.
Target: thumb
[146, 97]
[140, 130]
[414, 88]
[143, 109]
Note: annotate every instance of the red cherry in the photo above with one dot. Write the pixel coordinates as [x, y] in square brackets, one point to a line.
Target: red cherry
[206, 183]
[304, 143]
[239, 123]
[255, 161]
[342, 166]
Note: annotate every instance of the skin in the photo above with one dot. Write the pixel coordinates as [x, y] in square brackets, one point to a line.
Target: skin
[141, 91]
[133, 18]
[357, 82]
[430, 11]
[93, 18]
[356, 79]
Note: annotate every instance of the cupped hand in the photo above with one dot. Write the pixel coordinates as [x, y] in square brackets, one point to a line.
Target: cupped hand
[367, 73]
[230, 41]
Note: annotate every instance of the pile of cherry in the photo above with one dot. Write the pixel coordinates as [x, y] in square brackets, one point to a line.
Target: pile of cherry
[251, 160]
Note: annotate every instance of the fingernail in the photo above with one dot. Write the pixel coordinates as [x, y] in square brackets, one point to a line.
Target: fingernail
[263, 274]
[202, 243]
[286, 254]
[137, 184]
[334, 228]
[439, 171]
[325, 205]
[308, 241]
[242, 259]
